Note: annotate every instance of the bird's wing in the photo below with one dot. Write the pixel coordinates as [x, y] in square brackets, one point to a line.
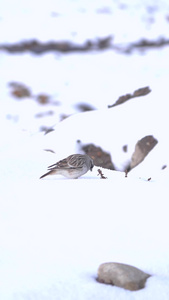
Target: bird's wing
[75, 161]
[71, 162]
[62, 164]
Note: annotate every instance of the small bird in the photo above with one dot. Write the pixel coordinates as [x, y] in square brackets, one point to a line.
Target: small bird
[73, 166]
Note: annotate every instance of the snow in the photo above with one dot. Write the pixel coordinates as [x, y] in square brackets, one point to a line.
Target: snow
[52, 245]
[55, 232]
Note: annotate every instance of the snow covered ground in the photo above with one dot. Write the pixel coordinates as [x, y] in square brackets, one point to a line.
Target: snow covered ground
[54, 233]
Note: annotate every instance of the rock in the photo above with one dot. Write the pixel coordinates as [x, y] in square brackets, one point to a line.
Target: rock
[84, 107]
[100, 157]
[122, 275]
[125, 148]
[140, 92]
[19, 90]
[142, 148]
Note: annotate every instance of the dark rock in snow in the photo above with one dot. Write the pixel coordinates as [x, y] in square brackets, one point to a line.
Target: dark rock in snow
[142, 148]
[122, 275]
[140, 92]
[100, 157]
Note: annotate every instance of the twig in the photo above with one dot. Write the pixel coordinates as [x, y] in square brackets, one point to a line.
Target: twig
[126, 173]
[101, 174]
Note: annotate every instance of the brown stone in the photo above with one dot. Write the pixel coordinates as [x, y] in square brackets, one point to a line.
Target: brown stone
[19, 90]
[140, 92]
[100, 157]
[122, 275]
[142, 148]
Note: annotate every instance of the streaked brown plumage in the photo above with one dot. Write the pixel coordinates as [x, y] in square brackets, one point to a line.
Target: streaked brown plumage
[73, 166]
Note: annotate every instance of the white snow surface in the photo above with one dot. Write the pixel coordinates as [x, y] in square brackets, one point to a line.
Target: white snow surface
[55, 232]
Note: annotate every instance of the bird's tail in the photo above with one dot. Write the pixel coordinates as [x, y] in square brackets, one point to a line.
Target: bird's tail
[46, 174]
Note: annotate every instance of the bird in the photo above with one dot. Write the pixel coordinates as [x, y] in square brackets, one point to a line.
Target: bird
[73, 166]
